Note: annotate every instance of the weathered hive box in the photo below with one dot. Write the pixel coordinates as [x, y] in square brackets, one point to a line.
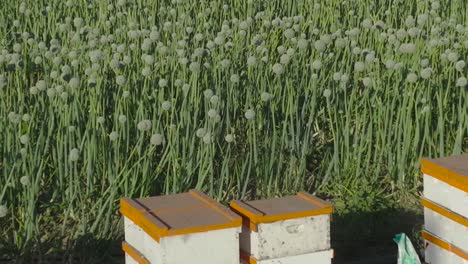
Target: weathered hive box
[181, 228]
[439, 251]
[319, 257]
[446, 182]
[284, 227]
[446, 224]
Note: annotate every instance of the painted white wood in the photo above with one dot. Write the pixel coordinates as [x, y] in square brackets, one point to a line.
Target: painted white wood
[320, 257]
[210, 247]
[446, 195]
[447, 229]
[129, 259]
[289, 237]
[437, 255]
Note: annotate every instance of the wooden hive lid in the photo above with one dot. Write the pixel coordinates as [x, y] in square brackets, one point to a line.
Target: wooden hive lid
[276, 209]
[178, 214]
[453, 170]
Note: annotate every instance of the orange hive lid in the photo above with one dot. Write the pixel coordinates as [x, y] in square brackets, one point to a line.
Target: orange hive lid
[275, 209]
[444, 244]
[178, 214]
[452, 170]
[445, 212]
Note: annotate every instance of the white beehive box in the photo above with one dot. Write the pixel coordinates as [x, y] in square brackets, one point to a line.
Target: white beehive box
[446, 224]
[132, 256]
[446, 182]
[438, 251]
[182, 228]
[284, 227]
[320, 257]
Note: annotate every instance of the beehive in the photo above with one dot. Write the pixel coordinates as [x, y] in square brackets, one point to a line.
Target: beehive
[284, 227]
[438, 251]
[446, 182]
[181, 228]
[446, 224]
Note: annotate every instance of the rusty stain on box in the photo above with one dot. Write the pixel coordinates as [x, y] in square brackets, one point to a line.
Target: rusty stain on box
[181, 228]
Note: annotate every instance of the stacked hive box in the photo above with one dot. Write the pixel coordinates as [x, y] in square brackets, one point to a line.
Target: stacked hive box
[446, 209]
[181, 228]
[289, 230]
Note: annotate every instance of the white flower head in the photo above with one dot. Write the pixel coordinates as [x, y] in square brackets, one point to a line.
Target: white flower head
[185, 88]
[41, 85]
[100, 120]
[316, 64]
[214, 99]
[212, 113]
[166, 105]
[461, 82]
[24, 139]
[320, 45]
[390, 64]
[285, 59]
[194, 67]
[208, 93]
[367, 81]
[460, 65]
[157, 139]
[207, 138]
[249, 114]
[412, 77]
[200, 132]
[3, 211]
[302, 44]
[359, 66]
[251, 61]
[26, 117]
[327, 93]
[264, 96]
[229, 138]
[122, 119]
[162, 83]
[14, 117]
[25, 181]
[407, 48]
[426, 73]
[337, 76]
[235, 78]
[74, 154]
[278, 68]
[113, 136]
[452, 56]
[144, 125]
[120, 80]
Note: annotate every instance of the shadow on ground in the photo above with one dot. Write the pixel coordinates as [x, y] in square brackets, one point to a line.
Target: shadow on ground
[84, 249]
[367, 237]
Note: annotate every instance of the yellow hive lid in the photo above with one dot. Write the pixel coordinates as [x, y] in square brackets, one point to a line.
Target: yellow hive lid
[178, 214]
[444, 244]
[275, 209]
[445, 212]
[135, 254]
[452, 170]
